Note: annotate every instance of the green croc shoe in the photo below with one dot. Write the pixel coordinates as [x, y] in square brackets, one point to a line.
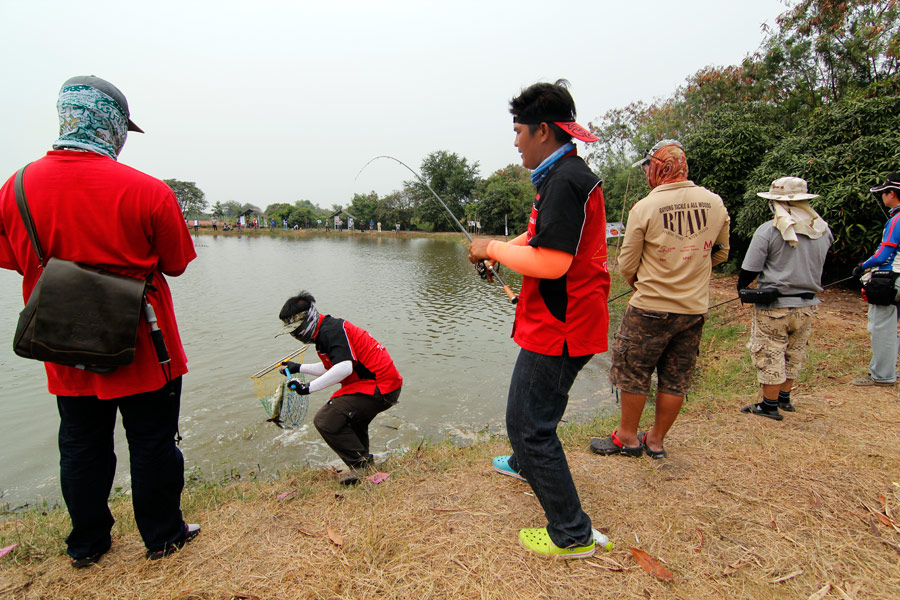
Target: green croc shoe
[539, 542]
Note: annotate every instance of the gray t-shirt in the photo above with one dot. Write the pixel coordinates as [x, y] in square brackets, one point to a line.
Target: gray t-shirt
[791, 270]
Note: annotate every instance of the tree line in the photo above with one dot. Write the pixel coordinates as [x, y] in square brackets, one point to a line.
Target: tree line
[502, 200]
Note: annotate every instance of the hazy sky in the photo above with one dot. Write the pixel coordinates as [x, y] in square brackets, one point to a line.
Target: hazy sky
[275, 101]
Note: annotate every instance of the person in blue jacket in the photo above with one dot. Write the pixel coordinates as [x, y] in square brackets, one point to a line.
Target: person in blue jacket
[883, 317]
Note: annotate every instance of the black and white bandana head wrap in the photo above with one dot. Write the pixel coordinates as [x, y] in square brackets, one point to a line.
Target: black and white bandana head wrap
[302, 326]
[90, 120]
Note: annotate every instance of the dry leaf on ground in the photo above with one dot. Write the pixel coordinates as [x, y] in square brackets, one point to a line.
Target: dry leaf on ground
[335, 537]
[651, 565]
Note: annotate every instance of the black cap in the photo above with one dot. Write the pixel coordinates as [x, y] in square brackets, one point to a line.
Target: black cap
[891, 183]
[110, 90]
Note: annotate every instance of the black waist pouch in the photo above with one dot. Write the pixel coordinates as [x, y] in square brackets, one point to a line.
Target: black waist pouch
[880, 289]
[766, 295]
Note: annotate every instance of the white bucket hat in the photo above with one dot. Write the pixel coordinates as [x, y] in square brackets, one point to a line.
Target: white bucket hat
[787, 189]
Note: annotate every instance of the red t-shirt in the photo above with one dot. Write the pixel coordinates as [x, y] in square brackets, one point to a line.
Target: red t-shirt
[568, 215]
[91, 209]
[338, 340]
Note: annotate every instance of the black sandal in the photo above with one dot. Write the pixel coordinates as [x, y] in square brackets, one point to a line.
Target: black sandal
[612, 445]
[754, 409]
[656, 454]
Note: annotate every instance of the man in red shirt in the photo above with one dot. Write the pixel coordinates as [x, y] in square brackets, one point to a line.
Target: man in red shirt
[562, 318]
[136, 229]
[370, 383]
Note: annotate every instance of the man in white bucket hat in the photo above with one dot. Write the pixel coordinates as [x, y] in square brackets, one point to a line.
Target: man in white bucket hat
[785, 257]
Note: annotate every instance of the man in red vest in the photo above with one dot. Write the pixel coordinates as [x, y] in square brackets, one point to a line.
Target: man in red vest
[561, 318]
[349, 356]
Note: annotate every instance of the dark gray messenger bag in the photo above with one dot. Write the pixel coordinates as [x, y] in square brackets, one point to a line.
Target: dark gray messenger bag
[77, 315]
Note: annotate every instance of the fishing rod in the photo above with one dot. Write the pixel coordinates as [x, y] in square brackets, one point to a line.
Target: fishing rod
[733, 299]
[823, 287]
[619, 296]
[484, 268]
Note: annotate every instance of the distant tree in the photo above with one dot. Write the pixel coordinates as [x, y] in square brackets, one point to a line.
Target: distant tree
[231, 210]
[504, 197]
[305, 213]
[364, 207]
[279, 211]
[309, 204]
[218, 210]
[396, 207]
[453, 179]
[191, 199]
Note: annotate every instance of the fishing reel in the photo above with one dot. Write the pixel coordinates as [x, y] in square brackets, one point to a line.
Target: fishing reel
[482, 269]
[488, 273]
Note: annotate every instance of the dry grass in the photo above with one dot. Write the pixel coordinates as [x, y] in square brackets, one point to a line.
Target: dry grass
[744, 508]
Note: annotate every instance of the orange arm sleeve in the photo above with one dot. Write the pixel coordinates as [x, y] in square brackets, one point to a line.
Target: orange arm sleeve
[545, 263]
[520, 240]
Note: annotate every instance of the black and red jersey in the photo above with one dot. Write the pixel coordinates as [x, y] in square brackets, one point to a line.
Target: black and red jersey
[568, 215]
[338, 340]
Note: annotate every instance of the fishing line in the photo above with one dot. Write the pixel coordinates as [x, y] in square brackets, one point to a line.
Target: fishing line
[733, 299]
[485, 265]
[622, 219]
[619, 240]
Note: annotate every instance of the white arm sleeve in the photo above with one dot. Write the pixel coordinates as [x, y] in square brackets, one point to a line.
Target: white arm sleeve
[316, 369]
[333, 376]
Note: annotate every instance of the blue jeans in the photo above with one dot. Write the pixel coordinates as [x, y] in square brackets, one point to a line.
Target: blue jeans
[88, 465]
[538, 395]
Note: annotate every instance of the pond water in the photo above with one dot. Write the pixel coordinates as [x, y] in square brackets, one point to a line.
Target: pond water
[447, 331]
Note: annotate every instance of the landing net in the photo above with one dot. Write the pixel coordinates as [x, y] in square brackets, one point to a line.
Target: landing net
[285, 408]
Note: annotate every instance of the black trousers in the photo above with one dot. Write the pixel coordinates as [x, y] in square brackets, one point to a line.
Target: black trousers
[88, 464]
[343, 423]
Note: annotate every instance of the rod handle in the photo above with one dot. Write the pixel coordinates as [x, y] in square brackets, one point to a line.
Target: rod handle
[512, 295]
[509, 293]
[159, 343]
[162, 354]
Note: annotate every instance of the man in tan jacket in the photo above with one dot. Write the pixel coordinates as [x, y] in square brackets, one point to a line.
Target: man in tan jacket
[674, 236]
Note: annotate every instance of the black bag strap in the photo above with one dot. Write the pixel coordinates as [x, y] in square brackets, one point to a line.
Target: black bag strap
[22, 203]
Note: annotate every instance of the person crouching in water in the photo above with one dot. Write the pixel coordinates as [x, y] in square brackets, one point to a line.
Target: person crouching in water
[350, 356]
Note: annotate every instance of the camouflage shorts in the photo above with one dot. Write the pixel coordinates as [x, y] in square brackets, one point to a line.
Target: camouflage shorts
[648, 340]
[778, 342]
